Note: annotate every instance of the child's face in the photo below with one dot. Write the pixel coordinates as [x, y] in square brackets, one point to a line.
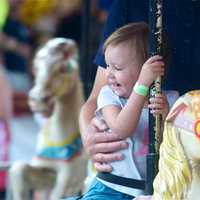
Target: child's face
[122, 68]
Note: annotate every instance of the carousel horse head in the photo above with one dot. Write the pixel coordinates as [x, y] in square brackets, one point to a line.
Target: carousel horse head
[179, 164]
[55, 67]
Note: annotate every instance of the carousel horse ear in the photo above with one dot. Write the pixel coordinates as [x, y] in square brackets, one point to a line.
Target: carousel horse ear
[68, 51]
[172, 115]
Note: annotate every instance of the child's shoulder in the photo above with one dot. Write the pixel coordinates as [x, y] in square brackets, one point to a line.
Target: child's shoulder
[107, 97]
[106, 90]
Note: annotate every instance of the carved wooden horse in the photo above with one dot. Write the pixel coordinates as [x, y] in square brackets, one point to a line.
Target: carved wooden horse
[60, 165]
[179, 165]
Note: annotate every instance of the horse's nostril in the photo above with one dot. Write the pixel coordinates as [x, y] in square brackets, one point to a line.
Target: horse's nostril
[46, 98]
[40, 99]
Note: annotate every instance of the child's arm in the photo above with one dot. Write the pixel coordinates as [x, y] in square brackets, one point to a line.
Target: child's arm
[124, 121]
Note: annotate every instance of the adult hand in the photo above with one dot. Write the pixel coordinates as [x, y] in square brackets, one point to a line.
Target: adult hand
[103, 146]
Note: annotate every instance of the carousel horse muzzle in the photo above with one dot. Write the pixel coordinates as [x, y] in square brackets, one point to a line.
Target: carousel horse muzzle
[41, 103]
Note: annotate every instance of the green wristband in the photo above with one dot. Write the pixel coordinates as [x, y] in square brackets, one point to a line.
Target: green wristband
[141, 89]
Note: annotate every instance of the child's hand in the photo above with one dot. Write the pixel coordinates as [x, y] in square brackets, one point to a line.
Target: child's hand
[151, 69]
[159, 105]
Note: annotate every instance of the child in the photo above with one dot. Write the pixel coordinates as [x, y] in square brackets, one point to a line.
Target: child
[123, 104]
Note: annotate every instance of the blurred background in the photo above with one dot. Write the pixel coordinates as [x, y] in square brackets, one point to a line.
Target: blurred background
[24, 26]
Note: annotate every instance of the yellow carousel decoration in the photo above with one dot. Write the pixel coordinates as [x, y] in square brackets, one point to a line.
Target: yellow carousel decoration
[178, 177]
[179, 165]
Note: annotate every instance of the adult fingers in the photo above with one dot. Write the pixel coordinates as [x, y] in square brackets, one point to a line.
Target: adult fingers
[107, 158]
[101, 137]
[102, 167]
[107, 147]
[99, 124]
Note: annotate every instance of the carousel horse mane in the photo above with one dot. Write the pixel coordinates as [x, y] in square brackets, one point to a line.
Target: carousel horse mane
[179, 149]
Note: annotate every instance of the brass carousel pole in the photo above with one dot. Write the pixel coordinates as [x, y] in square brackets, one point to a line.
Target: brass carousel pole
[155, 22]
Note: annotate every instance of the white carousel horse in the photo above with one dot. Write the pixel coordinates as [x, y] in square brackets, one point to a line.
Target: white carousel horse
[60, 164]
[179, 164]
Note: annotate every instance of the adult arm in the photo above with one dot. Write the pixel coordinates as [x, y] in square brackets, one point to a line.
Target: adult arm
[121, 13]
[101, 146]
[5, 97]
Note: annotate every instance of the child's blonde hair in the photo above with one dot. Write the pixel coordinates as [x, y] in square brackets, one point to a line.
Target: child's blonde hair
[135, 34]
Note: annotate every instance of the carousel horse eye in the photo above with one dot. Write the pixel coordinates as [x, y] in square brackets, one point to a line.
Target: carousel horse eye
[46, 98]
[197, 128]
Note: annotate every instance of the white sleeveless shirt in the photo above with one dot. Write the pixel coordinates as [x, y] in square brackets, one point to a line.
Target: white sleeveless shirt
[134, 163]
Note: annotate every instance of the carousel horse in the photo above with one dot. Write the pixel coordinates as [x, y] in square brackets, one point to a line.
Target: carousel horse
[178, 177]
[59, 166]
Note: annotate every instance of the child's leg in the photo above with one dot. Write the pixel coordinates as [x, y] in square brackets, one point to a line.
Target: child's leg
[99, 191]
